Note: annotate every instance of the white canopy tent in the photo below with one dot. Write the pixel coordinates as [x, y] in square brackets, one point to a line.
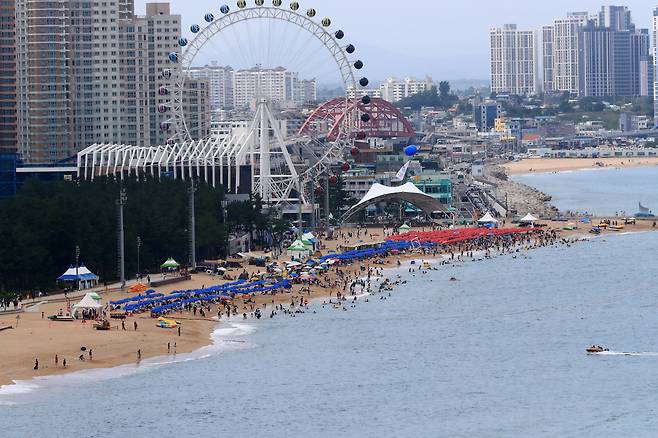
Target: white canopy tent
[407, 193]
[529, 219]
[487, 219]
[87, 303]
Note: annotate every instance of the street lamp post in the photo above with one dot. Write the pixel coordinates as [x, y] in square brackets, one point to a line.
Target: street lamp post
[192, 235]
[120, 238]
[226, 230]
[77, 265]
[139, 245]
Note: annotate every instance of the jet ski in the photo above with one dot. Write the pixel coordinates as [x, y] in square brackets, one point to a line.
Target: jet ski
[595, 349]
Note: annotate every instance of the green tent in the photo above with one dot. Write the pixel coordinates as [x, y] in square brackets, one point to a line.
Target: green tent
[297, 245]
[405, 227]
[170, 264]
[95, 296]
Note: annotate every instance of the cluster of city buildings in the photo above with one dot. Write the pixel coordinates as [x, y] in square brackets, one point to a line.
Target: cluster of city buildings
[236, 89]
[583, 54]
[394, 89]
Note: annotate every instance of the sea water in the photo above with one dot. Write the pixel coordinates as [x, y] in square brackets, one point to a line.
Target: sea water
[498, 353]
[604, 191]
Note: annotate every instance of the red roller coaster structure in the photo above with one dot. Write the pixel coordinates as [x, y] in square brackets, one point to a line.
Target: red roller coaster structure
[386, 121]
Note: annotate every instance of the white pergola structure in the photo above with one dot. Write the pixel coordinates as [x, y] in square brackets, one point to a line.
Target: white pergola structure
[215, 160]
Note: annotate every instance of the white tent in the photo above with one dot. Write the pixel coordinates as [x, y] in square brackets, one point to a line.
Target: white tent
[529, 219]
[407, 193]
[87, 303]
[487, 219]
[298, 251]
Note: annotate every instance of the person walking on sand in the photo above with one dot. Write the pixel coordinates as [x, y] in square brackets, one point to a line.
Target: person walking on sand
[36, 364]
[135, 325]
[168, 347]
[123, 325]
[178, 331]
[64, 362]
[56, 360]
[139, 354]
[91, 356]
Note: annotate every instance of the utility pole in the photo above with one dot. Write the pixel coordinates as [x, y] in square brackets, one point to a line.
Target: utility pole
[299, 211]
[226, 230]
[120, 240]
[192, 233]
[326, 206]
[77, 265]
[139, 245]
[314, 220]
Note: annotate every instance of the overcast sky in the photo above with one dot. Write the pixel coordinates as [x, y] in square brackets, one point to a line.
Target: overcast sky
[446, 39]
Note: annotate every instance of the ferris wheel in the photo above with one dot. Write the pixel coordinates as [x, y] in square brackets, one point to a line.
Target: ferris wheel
[252, 43]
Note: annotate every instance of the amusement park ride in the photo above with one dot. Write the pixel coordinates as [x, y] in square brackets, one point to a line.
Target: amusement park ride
[277, 173]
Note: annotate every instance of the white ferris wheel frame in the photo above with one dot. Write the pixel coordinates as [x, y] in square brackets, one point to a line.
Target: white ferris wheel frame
[334, 149]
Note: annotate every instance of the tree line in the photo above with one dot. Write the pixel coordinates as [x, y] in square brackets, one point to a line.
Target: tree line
[42, 226]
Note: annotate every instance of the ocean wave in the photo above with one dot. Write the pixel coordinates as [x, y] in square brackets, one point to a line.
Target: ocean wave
[222, 341]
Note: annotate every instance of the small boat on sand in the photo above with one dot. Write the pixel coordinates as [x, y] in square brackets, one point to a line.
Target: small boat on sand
[595, 349]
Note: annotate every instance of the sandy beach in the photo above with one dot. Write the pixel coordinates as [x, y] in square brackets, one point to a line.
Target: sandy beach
[548, 165]
[35, 337]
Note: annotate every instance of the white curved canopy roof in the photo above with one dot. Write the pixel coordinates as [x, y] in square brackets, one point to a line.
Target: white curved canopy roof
[407, 192]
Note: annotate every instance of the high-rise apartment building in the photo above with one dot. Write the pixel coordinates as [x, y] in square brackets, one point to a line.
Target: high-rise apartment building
[394, 89]
[221, 84]
[547, 58]
[92, 72]
[513, 61]
[614, 56]
[565, 71]
[655, 64]
[7, 77]
[45, 113]
[7, 98]
[275, 84]
[597, 55]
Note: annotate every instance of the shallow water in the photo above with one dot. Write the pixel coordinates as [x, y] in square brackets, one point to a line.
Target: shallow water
[498, 353]
[599, 191]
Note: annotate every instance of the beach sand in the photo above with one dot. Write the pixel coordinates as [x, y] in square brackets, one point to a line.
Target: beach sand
[548, 165]
[34, 337]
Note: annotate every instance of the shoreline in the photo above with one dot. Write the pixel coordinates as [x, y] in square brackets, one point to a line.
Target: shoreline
[206, 334]
[531, 166]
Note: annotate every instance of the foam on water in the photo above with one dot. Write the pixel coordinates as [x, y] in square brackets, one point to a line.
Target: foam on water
[222, 341]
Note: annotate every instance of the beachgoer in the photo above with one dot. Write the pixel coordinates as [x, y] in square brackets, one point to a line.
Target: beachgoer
[56, 359]
[135, 325]
[123, 325]
[36, 364]
[64, 362]
[179, 331]
[139, 354]
[168, 347]
[91, 356]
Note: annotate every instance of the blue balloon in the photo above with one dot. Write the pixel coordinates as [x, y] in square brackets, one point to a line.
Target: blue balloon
[411, 150]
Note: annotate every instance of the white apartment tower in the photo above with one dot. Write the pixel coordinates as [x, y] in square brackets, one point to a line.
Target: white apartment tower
[561, 50]
[655, 64]
[513, 61]
[221, 84]
[394, 89]
[275, 84]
